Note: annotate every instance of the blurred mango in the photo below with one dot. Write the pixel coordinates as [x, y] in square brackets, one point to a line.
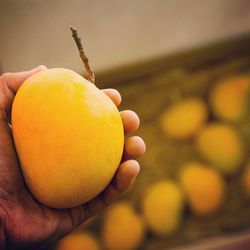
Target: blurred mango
[184, 119]
[229, 99]
[78, 241]
[203, 186]
[220, 144]
[162, 207]
[122, 228]
[246, 180]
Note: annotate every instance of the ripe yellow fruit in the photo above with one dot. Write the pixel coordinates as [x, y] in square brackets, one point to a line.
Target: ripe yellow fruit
[68, 135]
[162, 207]
[229, 98]
[203, 186]
[246, 180]
[78, 241]
[122, 228]
[221, 145]
[184, 119]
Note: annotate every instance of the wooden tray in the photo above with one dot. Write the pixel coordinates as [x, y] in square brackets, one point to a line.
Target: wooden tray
[148, 88]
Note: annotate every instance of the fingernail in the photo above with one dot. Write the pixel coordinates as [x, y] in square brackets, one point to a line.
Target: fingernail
[41, 67]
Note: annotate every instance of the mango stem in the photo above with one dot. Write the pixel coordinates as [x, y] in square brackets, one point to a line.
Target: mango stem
[90, 73]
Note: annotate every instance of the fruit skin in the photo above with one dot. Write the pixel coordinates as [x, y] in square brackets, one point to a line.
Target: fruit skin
[228, 99]
[78, 241]
[162, 207]
[221, 146]
[184, 119]
[246, 180]
[69, 137]
[122, 228]
[203, 186]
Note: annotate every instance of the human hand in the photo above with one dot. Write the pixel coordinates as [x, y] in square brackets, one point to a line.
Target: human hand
[24, 222]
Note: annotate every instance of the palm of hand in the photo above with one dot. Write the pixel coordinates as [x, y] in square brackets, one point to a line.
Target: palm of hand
[28, 224]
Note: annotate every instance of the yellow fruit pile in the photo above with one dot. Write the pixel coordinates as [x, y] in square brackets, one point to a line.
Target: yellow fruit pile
[199, 185]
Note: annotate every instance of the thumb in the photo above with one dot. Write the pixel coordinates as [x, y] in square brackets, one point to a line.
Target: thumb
[11, 178]
[15, 80]
[9, 85]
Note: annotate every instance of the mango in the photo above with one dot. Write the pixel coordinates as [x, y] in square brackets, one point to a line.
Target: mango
[221, 146]
[123, 228]
[78, 241]
[246, 180]
[162, 207]
[203, 187]
[229, 98]
[69, 137]
[184, 119]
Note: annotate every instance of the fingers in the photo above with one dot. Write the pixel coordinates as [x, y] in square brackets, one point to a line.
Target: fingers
[134, 148]
[15, 80]
[126, 174]
[130, 121]
[114, 95]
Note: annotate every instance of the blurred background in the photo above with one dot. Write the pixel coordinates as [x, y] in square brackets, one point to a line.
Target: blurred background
[184, 67]
[115, 33]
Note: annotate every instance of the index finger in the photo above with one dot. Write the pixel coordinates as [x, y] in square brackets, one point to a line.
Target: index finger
[15, 80]
[114, 95]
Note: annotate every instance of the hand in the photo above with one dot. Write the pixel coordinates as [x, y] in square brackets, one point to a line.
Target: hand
[26, 223]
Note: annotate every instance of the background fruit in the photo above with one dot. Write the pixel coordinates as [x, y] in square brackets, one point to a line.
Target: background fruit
[162, 207]
[220, 144]
[229, 98]
[203, 187]
[184, 119]
[246, 180]
[78, 241]
[122, 228]
[69, 137]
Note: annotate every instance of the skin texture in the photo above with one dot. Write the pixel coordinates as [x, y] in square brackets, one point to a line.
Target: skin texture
[26, 223]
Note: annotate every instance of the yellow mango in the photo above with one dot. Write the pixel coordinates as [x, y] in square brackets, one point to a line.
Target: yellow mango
[203, 187]
[229, 98]
[78, 241]
[68, 135]
[220, 144]
[184, 119]
[122, 228]
[246, 180]
[162, 207]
